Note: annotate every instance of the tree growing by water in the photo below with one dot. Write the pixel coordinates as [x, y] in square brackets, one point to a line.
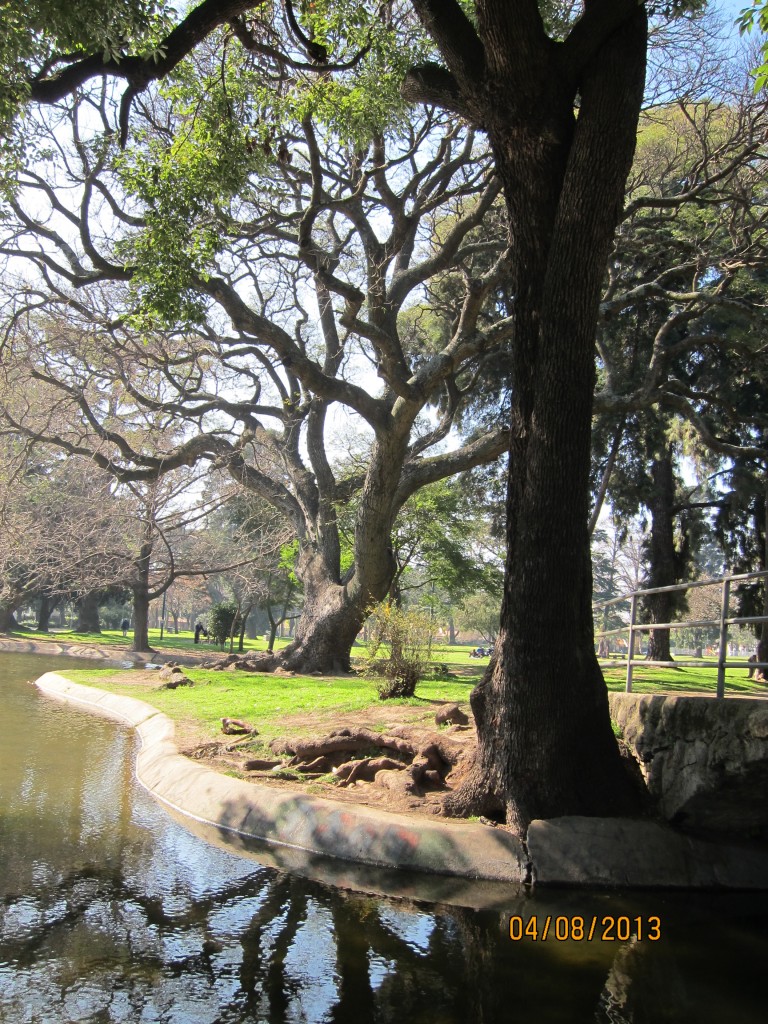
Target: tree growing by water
[557, 89]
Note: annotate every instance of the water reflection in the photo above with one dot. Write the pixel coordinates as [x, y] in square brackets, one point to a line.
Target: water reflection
[112, 912]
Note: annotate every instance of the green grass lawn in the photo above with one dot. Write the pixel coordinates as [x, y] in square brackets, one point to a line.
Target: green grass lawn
[266, 700]
[181, 642]
[700, 679]
[269, 702]
[447, 662]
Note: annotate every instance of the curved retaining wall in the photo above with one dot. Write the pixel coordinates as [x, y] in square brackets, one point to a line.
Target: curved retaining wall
[347, 831]
[569, 851]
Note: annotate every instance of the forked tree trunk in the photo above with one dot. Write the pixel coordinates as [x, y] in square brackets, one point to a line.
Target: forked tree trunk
[326, 631]
[335, 609]
[334, 613]
[545, 744]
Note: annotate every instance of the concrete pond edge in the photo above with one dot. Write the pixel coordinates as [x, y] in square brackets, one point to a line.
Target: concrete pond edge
[573, 851]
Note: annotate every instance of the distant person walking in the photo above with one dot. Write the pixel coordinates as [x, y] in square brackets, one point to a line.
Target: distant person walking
[124, 626]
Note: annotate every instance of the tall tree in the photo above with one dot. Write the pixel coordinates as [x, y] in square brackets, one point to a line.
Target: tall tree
[304, 311]
[562, 126]
[557, 88]
[689, 314]
[560, 109]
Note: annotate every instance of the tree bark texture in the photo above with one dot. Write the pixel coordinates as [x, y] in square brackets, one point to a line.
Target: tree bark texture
[545, 744]
[663, 557]
[141, 597]
[332, 616]
[140, 620]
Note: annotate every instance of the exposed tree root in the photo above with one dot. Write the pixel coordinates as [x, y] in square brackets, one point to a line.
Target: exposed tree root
[237, 727]
[422, 759]
[472, 798]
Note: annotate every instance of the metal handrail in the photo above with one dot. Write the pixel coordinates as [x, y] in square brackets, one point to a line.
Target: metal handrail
[722, 623]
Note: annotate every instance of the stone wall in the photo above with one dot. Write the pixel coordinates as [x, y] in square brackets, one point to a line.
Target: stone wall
[705, 760]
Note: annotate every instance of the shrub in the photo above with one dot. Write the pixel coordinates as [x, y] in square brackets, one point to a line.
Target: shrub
[112, 615]
[408, 634]
[223, 622]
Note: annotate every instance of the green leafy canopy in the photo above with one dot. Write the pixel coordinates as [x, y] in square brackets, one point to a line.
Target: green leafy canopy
[232, 114]
[38, 31]
[751, 18]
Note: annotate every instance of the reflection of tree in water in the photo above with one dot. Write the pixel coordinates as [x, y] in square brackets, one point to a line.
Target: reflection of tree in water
[268, 947]
[308, 952]
[91, 934]
[708, 966]
[393, 962]
[273, 947]
[376, 973]
[644, 986]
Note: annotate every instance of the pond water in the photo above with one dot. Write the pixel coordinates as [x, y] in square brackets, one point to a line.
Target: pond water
[110, 910]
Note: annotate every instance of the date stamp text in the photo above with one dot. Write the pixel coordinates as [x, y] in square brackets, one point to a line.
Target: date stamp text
[573, 928]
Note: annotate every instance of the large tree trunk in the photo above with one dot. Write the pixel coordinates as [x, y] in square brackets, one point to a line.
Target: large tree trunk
[8, 621]
[662, 555]
[335, 608]
[45, 611]
[331, 618]
[545, 744]
[87, 606]
[325, 633]
[140, 621]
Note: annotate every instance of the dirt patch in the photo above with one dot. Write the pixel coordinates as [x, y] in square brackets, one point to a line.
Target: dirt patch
[404, 779]
[391, 788]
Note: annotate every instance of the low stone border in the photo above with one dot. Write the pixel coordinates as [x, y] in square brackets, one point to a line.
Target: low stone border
[347, 831]
[63, 649]
[639, 854]
[574, 851]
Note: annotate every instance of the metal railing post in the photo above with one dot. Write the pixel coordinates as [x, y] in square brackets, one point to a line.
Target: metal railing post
[631, 642]
[723, 648]
[723, 622]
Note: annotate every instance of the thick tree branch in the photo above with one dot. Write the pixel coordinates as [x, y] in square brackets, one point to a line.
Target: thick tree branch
[139, 72]
[600, 19]
[434, 86]
[475, 453]
[455, 36]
